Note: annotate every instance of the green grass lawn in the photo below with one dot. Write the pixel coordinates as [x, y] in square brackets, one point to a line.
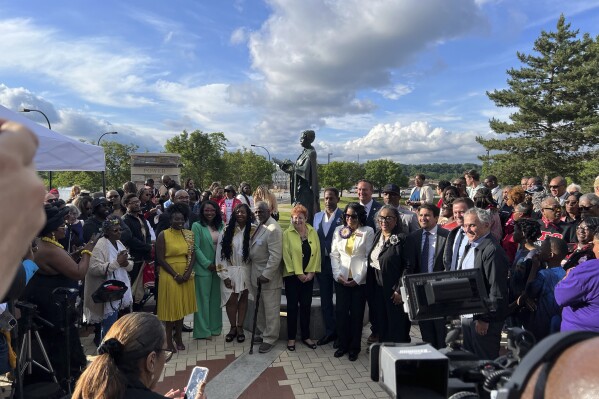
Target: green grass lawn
[285, 209]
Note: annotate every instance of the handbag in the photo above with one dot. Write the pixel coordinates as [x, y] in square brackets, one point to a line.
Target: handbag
[109, 291]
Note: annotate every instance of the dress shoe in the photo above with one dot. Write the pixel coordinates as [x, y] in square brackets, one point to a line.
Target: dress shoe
[265, 347]
[373, 338]
[336, 344]
[353, 356]
[186, 328]
[339, 353]
[326, 339]
[258, 340]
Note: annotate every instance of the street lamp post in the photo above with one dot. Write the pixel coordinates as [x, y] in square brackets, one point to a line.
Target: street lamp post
[49, 127]
[104, 171]
[329, 157]
[254, 145]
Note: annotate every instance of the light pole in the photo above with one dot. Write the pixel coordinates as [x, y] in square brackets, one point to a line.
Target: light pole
[104, 171]
[49, 127]
[254, 145]
[329, 157]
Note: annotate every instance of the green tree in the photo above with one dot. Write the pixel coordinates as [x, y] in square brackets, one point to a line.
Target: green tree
[341, 175]
[246, 166]
[556, 98]
[384, 171]
[118, 169]
[201, 154]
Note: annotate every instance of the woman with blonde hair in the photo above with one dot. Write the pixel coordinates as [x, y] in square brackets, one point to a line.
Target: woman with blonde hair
[262, 193]
[130, 362]
[301, 255]
[75, 191]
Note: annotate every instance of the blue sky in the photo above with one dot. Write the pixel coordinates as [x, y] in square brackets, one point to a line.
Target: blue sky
[403, 80]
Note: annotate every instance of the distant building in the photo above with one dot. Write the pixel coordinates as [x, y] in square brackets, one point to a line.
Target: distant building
[280, 180]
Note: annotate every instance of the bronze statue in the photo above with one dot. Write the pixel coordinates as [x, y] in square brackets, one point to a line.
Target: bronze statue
[304, 176]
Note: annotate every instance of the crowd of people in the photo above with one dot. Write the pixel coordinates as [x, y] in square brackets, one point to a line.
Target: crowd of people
[201, 251]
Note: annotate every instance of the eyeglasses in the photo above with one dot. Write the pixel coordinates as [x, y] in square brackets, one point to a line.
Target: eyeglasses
[386, 219]
[555, 186]
[570, 202]
[168, 354]
[351, 216]
[556, 209]
[586, 208]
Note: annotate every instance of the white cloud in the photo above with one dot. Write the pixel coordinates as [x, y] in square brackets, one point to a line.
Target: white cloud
[239, 36]
[417, 142]
[315, 55]
[395, 92]
[89, 67]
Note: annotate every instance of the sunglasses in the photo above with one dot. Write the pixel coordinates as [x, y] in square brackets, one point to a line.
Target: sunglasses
[351, 216]
[586, 208]
[386, 219]
[554, 186]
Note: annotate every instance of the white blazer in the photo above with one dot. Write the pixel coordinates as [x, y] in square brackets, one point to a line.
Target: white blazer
[341, 262]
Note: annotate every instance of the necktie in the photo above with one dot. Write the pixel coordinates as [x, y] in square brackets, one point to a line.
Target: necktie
[456, 249]
[424, 266]
[466, 249]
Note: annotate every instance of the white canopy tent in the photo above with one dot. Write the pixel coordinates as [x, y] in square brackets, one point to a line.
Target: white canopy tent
[57, 152]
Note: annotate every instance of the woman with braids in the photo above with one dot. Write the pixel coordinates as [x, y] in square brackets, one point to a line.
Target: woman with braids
[175, 257]
[526, 233]
[233, 268]
[130, 362]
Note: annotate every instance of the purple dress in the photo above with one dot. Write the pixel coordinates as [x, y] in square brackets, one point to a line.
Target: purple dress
[578, 294]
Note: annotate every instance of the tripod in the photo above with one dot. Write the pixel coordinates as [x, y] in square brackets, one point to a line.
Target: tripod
[25, 358]
[65, 298]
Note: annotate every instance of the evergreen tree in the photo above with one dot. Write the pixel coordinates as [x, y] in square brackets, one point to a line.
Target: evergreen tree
[556, 100]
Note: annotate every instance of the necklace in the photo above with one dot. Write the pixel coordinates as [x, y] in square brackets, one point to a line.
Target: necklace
[52, 241]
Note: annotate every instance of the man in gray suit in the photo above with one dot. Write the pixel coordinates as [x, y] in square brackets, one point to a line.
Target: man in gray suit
[266, 251]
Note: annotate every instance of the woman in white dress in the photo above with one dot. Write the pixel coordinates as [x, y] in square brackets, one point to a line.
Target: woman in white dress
[109, 261]
[233, 267]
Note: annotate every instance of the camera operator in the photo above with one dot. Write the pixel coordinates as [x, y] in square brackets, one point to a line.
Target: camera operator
[57, 269]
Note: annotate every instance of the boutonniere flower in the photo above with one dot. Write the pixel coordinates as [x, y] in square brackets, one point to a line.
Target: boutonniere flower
[345, 232]
[393, 240]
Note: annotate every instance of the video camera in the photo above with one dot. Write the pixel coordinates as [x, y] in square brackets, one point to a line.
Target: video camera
[417, 371]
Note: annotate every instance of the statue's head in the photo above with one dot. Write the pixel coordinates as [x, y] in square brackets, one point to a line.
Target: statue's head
[307, 138]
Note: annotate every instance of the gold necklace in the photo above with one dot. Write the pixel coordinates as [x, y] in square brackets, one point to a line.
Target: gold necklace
[52, 241]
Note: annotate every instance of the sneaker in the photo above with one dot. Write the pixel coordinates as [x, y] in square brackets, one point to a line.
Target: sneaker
[265, 347]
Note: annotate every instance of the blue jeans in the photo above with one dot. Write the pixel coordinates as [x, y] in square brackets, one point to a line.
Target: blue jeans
[108, 322]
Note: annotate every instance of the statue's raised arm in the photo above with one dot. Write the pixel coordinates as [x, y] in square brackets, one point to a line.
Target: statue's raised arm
[304, 173]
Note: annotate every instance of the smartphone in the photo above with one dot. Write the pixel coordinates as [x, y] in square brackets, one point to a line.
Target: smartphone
[198, 375]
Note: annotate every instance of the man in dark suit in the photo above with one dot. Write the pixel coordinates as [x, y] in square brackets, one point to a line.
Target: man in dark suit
[456, 240]
[482, 332]
[365, 190]
[325, 223]
[424, 254]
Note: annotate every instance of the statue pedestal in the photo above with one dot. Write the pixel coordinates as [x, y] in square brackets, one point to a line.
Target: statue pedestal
[317, 326]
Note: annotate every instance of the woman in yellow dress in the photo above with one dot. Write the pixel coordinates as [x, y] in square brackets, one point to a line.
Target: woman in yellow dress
[175, 257]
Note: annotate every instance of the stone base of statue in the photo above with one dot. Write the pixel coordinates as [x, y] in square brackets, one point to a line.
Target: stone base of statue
[317, 326]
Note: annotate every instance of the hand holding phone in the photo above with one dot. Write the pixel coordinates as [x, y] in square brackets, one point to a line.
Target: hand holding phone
[196, 380]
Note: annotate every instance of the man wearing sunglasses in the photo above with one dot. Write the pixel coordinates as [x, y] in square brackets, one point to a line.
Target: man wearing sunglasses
[557, 186]
[588, 205]
[551, 223]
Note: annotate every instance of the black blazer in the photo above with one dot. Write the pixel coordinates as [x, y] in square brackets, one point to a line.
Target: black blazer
[390, 260]
[490, 256]
[413, 250]
[370, 217]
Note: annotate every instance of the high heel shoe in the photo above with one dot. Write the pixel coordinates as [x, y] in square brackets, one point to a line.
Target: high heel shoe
[309, 345]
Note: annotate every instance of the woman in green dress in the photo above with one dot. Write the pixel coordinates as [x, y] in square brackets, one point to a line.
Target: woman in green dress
[208, 320]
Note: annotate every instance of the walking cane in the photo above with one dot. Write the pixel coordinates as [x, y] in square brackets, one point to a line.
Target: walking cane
[257, 303]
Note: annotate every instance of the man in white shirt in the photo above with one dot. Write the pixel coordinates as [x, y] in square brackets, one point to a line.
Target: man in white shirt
[325, 223]
[472, 182]
[557, 186]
